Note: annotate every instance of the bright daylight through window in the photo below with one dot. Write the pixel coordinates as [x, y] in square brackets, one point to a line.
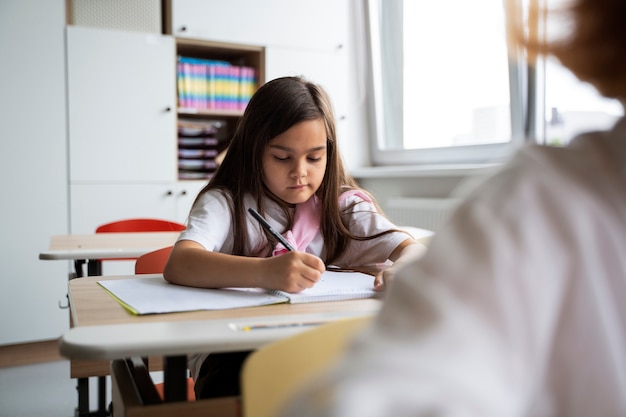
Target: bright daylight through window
[456, 79]
[446, 89]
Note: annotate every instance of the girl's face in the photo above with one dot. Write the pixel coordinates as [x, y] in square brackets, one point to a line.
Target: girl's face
[294, 162]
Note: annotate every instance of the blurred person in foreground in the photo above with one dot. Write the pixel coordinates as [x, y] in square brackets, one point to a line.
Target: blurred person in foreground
[518, 308]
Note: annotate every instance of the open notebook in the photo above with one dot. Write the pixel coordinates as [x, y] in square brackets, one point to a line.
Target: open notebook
[154, 295]
[334, 286]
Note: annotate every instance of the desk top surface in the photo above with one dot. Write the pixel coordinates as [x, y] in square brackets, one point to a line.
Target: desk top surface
[105, 330]
[107, 245]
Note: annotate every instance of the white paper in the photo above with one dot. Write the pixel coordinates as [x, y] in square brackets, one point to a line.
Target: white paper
[152, 295]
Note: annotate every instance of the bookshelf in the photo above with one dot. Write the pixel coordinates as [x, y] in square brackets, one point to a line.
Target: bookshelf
[124, 120]
[215, 80]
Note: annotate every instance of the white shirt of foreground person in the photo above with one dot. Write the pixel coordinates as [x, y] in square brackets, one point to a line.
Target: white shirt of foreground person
[517, 309]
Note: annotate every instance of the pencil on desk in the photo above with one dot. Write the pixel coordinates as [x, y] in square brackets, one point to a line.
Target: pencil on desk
[280, 325]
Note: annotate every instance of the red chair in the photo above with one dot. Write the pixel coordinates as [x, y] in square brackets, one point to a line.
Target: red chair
[140, 225]
[136, 225]
[154, 263]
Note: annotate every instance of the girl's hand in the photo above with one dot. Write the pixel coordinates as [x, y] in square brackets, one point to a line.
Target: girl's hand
[383, 279]
[292, 271]
[407, 252]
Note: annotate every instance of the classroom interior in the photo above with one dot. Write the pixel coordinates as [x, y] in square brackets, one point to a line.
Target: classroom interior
[69, 167]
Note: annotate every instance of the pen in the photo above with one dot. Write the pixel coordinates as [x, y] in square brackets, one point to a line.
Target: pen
[280, 325]
[270, 229]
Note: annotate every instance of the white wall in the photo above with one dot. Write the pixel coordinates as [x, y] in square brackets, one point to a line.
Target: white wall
[32, 169]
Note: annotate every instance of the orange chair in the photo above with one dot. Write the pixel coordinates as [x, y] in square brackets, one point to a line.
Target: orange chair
[140, 225]
[134, 225]
[154, 263]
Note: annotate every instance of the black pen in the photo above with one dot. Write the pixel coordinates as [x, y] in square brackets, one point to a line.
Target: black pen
[270, 229]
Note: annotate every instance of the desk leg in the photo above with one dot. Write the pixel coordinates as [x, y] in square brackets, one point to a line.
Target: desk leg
[94, 267]
[78, 267]
[82, 385]
[175, 378]
[102, 396]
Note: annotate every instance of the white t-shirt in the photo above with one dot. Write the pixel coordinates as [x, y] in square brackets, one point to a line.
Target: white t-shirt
[210, 225]
[518, 308]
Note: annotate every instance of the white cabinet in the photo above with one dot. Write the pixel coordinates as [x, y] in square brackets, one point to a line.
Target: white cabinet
[122, 129]
[95, 204]
[316, 25]
[122, 106]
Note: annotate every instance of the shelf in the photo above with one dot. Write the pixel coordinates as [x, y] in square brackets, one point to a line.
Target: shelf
[209, 113]
[236, 54]
[214, 102]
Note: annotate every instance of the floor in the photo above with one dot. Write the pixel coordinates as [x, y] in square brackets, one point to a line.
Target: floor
[46, 389]
[35, 381]
[43, 389]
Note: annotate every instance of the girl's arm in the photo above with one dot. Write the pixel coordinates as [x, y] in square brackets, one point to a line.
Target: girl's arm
[191, 265]
[404, 253]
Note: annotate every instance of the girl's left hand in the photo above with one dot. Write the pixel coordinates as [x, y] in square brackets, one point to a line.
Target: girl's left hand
[406, 252]
[382, 279]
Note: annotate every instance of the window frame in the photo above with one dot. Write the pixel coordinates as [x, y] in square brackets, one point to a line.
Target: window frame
[522, 85]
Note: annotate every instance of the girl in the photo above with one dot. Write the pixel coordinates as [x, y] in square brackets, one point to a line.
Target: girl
[284, 162]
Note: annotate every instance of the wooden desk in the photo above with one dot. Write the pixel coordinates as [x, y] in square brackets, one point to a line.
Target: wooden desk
[92, 249]
[101, 246]
[104, 330]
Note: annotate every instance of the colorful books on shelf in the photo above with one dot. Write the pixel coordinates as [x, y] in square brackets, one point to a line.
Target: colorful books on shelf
[198, 142]
[205, 84]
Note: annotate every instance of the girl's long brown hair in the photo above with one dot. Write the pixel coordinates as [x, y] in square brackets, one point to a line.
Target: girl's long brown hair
[273, 109]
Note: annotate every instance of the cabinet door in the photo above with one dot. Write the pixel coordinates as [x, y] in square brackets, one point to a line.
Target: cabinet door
[320, 24]
[122, 102]
[185, 195]
[95, 204]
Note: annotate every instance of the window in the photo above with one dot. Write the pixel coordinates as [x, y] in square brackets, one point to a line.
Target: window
[572, 107]
[446, 91]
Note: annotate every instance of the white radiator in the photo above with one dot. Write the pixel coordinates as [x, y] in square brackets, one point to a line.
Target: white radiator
[425, 213]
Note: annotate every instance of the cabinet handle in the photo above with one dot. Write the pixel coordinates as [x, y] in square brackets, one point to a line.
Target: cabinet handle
[183, 192]
[169, 192]
[67, 303]
[183, 29]
[168, 109]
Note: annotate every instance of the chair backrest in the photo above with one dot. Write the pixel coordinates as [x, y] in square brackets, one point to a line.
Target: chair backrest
[273, 373]
[152, 262]
[140, 225]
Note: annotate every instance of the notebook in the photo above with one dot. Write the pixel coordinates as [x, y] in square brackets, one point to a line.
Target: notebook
[154, 295]
[334, 286]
